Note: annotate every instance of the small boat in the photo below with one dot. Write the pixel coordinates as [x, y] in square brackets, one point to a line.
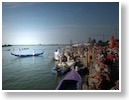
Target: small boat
[71, 81]
[8, 50]
[25, 48]
[62, 68]
[60, 71]
[27, 55]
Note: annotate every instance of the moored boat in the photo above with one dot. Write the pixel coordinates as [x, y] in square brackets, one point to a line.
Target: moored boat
[60, 71]
[71, 81]
[62, 68]
[27, 55]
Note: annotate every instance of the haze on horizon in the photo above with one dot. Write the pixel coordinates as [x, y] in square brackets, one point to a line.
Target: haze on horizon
[58, 23]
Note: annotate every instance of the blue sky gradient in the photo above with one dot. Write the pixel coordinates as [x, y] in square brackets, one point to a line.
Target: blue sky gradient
[57, 23]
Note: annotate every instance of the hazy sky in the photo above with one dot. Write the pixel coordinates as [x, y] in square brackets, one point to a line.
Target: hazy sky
[50, 23]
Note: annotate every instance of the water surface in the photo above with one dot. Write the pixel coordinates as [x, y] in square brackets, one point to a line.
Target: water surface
[29, 73]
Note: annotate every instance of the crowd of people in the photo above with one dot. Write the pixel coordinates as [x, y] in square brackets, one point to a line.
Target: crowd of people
[102, 63]
[105, 68]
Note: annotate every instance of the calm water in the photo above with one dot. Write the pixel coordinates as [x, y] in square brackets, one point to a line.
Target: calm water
[30, 73]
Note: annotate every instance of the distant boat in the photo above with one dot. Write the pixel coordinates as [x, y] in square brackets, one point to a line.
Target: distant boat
[8, 50]
[25, 48]
[27, 55]
[72, 81]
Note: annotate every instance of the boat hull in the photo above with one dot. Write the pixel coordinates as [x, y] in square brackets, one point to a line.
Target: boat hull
[28, 55]
[71, 81]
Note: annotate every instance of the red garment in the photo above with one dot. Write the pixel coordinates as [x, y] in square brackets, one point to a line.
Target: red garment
[111, 42]
[110, 57]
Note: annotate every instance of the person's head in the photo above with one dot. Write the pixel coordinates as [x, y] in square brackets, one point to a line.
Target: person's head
[101, 64]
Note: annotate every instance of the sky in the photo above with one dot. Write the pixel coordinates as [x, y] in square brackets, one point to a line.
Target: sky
[58, 23]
